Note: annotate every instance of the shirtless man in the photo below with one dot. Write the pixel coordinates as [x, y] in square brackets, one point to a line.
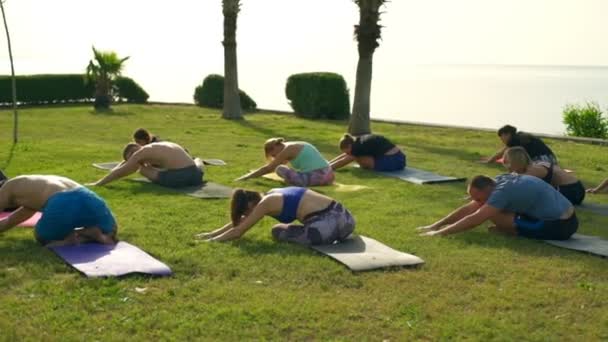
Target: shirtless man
[65, 206]
[517, 205]
[164, 163]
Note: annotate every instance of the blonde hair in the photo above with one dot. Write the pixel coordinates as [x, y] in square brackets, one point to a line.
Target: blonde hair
[518, 157]
[270, 144]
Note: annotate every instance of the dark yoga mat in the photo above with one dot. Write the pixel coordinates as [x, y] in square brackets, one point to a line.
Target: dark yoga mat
[207, 190]
[596, 208]
[416, 176]
[584, 243]
[31, 222]
[360, 253]
[97, 260]
[111, 165]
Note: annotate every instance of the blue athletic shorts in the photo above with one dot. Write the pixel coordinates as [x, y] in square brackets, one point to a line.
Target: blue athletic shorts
[66, 210]
[392, 162]
[546, 230]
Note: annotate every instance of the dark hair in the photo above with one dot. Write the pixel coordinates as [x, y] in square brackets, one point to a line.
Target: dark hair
[346, 141]
[507, 129]
[241, 199]
[143, 134]
[3, 178]
[128, 149]
[481, 182]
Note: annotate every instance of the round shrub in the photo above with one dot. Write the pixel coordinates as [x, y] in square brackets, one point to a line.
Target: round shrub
[211, 94]
[130, 91]
[318, 95]
[585, 121]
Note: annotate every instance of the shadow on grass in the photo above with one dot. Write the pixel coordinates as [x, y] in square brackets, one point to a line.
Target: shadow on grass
[21, 251]
[8, 160]
[271, 247]
[110, 112]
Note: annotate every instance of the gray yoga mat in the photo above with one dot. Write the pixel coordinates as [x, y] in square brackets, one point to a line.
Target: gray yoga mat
[416, 176]
[584, 243]
[360, 253]
[207, 190]
[596, 208]
[97, 260]
[111, 165]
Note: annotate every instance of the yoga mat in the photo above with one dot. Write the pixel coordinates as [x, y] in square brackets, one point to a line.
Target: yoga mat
[584, 243]
[111, 165]
[416, 176]
[31, 222]
[596, 208]
[339, 186]
[97, 260]
[360, 253]
[207, 190]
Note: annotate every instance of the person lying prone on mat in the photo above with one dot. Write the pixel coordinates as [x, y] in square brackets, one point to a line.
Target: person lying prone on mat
[164, 163]
[516, 204]
[65, 206]
[517, 160]
[370, 151]
[309, 166]
[536, 148]
[323, 220]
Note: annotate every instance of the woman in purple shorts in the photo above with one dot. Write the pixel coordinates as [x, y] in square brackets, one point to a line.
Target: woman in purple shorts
[370, 151]
[323, 220]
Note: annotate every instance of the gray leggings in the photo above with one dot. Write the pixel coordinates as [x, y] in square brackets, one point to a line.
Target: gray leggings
[334, 223]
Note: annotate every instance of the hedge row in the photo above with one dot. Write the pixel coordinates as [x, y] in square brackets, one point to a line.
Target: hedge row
[211, 94]
[62, 88]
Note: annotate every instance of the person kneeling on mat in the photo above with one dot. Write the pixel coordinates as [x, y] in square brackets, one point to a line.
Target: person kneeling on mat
[517, 205]
[536, 148]
[324, 220]
[164, 163]
[65, 206]
[309, 166]
[517, 160]
[371, 151]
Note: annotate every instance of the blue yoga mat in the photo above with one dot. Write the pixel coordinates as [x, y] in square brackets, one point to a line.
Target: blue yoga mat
[97, 260]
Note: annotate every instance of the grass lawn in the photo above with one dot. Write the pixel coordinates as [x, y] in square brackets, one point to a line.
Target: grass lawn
[474, 285]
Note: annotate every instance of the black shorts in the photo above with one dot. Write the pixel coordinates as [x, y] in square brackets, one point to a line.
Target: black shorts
[179, 178]
[546, 230]
[575, 192]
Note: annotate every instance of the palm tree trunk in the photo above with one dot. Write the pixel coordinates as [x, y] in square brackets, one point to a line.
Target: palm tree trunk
[232, 101]
[13, 79]
[102, 93]
[367, 34]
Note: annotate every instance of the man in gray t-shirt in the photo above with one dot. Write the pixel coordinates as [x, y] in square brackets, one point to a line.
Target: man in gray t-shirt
[517, 205]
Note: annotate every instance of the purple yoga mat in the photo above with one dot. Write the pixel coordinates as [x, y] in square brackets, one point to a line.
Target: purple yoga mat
[97, 260]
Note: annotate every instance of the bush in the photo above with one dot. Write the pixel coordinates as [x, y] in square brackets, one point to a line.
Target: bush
[130, 91]
[61, 88]
[318, 95]
[585, 121]
[211, 94]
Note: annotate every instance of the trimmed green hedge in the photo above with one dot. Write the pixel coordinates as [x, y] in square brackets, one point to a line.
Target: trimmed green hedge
[62, 88]
[318, 95]
[211, 94]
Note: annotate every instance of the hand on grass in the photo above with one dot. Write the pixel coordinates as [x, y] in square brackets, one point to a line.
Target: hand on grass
[91, 184]
[203, 236]
[426, 228]
[242, 178]
[592, 190]
[485, 160]
[430, 233]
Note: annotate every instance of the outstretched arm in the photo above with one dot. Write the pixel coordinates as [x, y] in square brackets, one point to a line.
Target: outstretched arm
[468, 222]
[15, 218]
[236, 232]
[453, 217]
[123, 170]
[496, 156]
[341, 160]
[287, 154]
[603, 185]
[214, 233]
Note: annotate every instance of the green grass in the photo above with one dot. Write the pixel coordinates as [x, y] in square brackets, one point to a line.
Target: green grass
[473, 286]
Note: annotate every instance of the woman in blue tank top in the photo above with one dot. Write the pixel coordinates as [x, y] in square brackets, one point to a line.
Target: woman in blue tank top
[309, 168]
[323, 220]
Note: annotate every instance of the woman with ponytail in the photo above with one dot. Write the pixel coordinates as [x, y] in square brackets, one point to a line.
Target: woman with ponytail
[370, 151]
[323, 220]
[309, 168]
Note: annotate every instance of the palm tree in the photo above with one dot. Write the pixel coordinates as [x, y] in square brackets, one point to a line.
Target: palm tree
[103, 70]
[367, 34]
[13, 80]
[232, 101]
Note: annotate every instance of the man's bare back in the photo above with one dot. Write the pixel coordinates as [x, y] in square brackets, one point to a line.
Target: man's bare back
[165, 155]
[33, 191]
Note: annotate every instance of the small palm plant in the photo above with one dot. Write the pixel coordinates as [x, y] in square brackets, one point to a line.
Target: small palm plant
[103, 70]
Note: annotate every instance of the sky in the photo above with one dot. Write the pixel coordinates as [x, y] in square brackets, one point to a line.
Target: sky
[174, 45]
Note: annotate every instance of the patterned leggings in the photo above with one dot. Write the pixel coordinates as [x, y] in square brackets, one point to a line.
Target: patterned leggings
[304, 179]
[334, 223]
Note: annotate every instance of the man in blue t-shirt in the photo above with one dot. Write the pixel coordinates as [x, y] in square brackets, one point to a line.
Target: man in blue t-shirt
[517, 205]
